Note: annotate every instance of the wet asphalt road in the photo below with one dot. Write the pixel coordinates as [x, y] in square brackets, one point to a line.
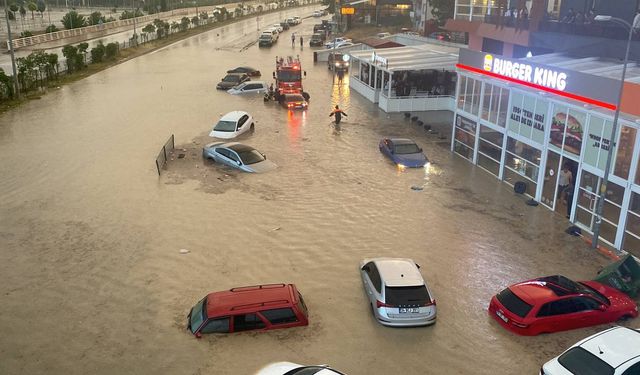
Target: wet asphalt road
[91, 275]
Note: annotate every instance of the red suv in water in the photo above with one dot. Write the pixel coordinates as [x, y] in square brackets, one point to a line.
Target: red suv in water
[260, 307]
[556, 303]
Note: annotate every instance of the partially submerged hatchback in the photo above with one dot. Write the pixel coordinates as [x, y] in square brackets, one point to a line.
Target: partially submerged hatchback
[257, 308]
[397, 292]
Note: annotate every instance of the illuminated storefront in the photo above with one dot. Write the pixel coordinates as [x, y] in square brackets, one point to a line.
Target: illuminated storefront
[521, 120]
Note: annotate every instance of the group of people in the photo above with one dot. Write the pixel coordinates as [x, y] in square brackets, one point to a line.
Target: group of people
[516, 17]
[293, 40]
[579, 18]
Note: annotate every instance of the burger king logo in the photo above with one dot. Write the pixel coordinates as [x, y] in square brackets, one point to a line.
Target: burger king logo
[488, 62]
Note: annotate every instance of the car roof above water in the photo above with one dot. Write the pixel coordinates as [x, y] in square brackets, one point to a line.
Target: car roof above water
[615, 346]
[398, 271]
[249, 298]
[233, 116]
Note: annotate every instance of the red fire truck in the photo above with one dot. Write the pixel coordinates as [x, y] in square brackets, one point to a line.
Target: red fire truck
[288, 76]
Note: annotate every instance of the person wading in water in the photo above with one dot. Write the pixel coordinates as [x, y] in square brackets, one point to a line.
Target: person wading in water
[337, 113]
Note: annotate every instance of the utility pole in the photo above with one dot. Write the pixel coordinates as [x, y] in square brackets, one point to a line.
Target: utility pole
[13, 57]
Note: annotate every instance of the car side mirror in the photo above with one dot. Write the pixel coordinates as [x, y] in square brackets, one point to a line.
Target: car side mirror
[198, 335]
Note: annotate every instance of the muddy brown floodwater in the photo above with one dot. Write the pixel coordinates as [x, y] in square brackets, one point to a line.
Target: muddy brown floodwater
[92, 279]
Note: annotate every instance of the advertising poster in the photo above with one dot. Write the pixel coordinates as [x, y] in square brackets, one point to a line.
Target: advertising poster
[574, 130]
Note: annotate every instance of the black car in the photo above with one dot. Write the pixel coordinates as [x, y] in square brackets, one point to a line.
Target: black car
[251, 72]
[232, 80]
[285, 25]
[317, 40]
[294, 101]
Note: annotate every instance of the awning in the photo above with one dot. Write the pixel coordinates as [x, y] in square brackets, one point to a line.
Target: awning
[419, 57]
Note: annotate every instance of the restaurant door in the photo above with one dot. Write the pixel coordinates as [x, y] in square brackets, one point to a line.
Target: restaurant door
[550, 180]
[587, 203]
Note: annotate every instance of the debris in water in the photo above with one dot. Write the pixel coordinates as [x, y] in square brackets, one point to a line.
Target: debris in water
[180, 156]
[275, 229]
[417, 188]
[184, 251]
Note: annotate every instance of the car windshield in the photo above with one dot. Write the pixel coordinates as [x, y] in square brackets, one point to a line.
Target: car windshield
[265, 36]
[197, 315]
[409, 148]
[306, 370]
[580, 362]
[225, 126]
[250, 157]
[406, 295]
[294, 98]
[289, 75]
[231, 79]
[513, 303]
[597, 295]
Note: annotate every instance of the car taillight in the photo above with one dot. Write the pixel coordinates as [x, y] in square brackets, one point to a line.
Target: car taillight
[519, 325]
[432, 303]
[290, 105]
[382, 304]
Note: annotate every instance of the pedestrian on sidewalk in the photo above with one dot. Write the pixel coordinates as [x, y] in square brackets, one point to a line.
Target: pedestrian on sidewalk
[293, 39]
[301, 42]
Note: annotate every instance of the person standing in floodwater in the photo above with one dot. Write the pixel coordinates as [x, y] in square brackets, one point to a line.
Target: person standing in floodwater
[301, 42]
[337, 113]
[293, 39]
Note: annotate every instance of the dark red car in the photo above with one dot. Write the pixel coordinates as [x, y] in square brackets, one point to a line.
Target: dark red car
[260, 307]
[556, 303]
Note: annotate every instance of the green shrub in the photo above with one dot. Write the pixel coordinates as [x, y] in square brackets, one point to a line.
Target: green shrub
[97, 53]
[51, 29]
[111, 50]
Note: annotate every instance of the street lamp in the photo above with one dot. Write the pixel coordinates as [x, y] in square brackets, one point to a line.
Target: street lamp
[614, 128]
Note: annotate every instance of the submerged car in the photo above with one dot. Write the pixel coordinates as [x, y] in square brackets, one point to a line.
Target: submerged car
[556, 303]
[615, 351]
[289, 368]
[231, 80]
[294, 101]
[403, 152]
[260, 307]
[232, 125]
[317, 40]
[251, 72]
[398, 295]
[239, 156]
[338, 42]
[338, 62]
[249, 87]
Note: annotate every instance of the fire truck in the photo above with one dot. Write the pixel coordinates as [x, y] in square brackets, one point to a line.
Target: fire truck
[288, 76]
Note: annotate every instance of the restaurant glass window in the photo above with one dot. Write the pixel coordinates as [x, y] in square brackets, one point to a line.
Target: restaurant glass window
[522, 160]
[495, 104]
[475, 109]
[587, 203]
[464, 137]
[631, 242]
[487, 100]
[567, 128]
[597, 146]
[624, 152]
[513, 123]
[528, 115]
[462, 89]
[469, 95]
[490, 149]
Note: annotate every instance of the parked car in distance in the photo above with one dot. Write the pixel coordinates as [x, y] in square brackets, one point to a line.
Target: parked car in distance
[278, 27]
[289, 368]
[556, 303]
[440, 35]
[290, 22]
[294, 101]
[239, 156]
[383, 35]
[231, 80]
[615, 351]
[403, 152]
[338, 61]
[249, 87]
[232, 125]
[297, 20]
[251, 72]
[338, 42]
[317, 13]
[260, 307]
[317, 40]
[284, 25]
[397, 292]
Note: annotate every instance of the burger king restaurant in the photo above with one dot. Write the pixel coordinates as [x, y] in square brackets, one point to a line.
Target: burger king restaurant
[535, 120]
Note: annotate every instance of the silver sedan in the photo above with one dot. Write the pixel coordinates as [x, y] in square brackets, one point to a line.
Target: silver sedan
[237, 155]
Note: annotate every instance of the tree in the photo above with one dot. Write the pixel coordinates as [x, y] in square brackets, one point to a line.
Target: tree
[25, 34]
[70, 53]
[6, 85]
[175, 26]
[149, 29]
[204, 15]
[23, 12]
[82, 55]
[112, 50]
[73, 20]
[184, 23]
[95, 18]
[97, 53]
[42, 6]
[442, 10]
[195, 21]
[238, 11]
[14, 8]
[51, 29]
[32, 8]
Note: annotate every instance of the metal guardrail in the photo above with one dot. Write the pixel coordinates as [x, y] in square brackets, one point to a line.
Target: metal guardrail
[167, 148]
[103, 28]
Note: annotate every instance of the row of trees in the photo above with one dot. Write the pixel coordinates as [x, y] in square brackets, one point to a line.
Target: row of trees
[39, 6]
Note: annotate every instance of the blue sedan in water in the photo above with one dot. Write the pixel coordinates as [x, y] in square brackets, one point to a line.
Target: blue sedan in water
[404, 152]
[237, 155]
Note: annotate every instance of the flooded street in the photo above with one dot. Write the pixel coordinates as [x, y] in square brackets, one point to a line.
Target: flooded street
[93, 280]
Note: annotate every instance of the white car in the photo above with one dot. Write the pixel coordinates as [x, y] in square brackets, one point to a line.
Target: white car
[232, 125]
[289, 368]
[338, 42]
[297, 20]
[317, 13]
[383, 35]
[249, 87]
[615, 351]
[278, 27]
[397, 293]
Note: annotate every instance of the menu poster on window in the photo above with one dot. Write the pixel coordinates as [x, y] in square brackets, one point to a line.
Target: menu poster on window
[466, 124]
[526, 117]
[573, 139]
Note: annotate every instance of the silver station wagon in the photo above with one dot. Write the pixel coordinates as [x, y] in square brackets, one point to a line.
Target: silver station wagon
[397, 292]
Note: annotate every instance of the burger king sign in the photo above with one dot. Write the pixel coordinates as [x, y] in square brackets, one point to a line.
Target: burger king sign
[525, 72]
